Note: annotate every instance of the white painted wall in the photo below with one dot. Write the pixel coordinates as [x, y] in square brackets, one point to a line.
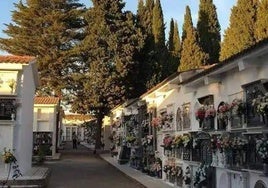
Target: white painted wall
[47, 122]
[23, 135]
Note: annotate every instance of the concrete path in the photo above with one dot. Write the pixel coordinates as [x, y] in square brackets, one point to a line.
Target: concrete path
[147, 181]
[82, 169]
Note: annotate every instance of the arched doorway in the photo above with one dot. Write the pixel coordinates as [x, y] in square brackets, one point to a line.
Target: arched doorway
[260, 184]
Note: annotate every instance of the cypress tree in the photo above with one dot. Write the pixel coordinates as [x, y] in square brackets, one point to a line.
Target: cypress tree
[158, 26]
[47, 30]
[187, 24]
[261, 30]
[146, 55]
[192, 55]
[149, 6]
[176, 39]
[240, 33]
[174, 47]
[208, 29]
[171, 36]
[112, 44]
[141, 13]
[161, 54]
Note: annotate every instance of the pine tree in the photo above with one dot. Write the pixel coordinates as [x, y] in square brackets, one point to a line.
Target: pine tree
[240, 33]
[174, 47]
[261, 30]
[111, 44]
[47, 30]
[208, 29]
[192, 55]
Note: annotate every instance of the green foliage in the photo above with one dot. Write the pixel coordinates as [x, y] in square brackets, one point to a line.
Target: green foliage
[208, 29]
[192, 55]
[47, 30]
[261, 30]
[158, 26]
[174, 47]
[161, 53]
[112, 44]
[187, 24]
[240, 33]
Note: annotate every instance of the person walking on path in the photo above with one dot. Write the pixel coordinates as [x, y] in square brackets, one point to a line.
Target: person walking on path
[74, 141]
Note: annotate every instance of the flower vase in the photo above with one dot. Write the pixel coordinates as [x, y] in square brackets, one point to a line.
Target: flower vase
[265, 169]
[7, 166]
[201, 123]
[214, 159]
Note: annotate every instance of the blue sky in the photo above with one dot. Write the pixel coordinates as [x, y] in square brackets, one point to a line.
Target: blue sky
[171, 8]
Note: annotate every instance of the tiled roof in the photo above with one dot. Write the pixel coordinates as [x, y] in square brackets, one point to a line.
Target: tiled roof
[15, 59]
[46, 100]
[80, 117]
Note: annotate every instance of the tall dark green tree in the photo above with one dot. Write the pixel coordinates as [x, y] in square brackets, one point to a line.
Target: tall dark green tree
[161, 53]
[192, 55]
[240, 33]
[187, 24]
[149, 66]
[174, 47]
[208, 29]
[112, 43]
[261, 30]
[47, 30]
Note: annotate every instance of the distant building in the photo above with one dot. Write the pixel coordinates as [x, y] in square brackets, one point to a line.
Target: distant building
[74, 123]
[47, 125]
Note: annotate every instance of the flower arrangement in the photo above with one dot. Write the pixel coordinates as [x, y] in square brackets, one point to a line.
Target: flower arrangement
[225, 144]
[130, 139]
[155, 122]
[167, 142]
[200, 113]
[8, 156]
[178, 141]
[237, 107]
[223, 111]
[148, 140]
[201, 174]
[215, 143]
[262, 149]
[186, 139]
[239, 143]
[210, 112]
[167, 117]
[261, 104]
[167, 169]
[167, 120]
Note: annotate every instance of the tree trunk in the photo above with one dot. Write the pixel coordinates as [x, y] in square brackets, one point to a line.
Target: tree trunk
[100, 117]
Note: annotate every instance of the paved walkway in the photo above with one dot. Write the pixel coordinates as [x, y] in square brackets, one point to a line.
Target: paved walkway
[147, 181]
[82, 169]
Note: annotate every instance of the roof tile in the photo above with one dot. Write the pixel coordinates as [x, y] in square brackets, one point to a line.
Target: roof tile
[15, 59]
[46, 100]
